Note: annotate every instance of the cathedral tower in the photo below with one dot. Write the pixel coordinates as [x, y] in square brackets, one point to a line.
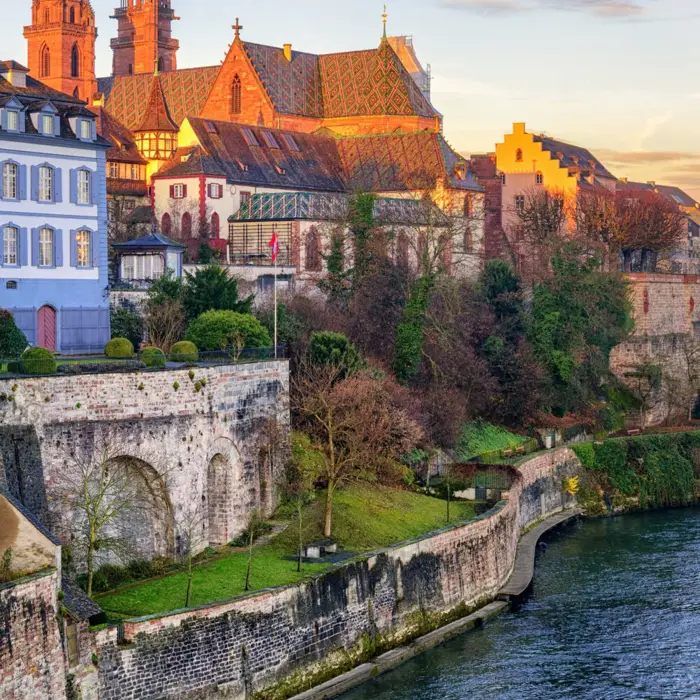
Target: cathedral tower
[61, 46]
[144, 37]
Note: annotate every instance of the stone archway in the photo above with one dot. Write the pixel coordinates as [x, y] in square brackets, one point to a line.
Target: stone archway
[219, 499]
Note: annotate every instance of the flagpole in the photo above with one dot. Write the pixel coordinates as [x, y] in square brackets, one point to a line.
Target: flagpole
[275, 307]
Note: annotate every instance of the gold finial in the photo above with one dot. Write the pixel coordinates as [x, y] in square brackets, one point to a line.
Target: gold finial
[238, 26]
[384, 18]
[156, 72]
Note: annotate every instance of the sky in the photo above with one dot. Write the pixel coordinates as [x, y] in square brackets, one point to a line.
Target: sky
[615, 76]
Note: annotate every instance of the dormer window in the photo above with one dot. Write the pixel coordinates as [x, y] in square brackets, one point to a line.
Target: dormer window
[47, 125]
[86, 130]
[12, 120]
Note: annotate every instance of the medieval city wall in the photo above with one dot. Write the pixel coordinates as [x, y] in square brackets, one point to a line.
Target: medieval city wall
[199, 429]
[31, 654]
[275, 643]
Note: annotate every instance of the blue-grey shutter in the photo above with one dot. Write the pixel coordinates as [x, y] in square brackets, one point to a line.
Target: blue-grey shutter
[23, 247]
[35, 183]
[22, 182]
[4, 120]
[2, 246]
[58, 248]
[57, 125]
[73, 186]
[22, 121]
[73, 249]
[95, 248]
[58, 185]
[35, 247]
[94, 130]
[93, 188]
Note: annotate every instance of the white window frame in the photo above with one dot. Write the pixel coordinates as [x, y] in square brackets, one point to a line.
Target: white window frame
[46, 242]
[83, 245]
[539, 179]
[83, 185]
[46, 121]
[86, 130]
[12, 120]
[178, 191]
[10, 183]
[47, 185]
[10, 252]
[216, 191]
[113, 171]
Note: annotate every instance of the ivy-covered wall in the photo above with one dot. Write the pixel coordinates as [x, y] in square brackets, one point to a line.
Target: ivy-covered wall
[650, 471]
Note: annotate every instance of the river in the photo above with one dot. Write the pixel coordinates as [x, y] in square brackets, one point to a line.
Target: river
[614, 614]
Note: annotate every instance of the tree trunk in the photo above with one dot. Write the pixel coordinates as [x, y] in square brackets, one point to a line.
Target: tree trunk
[448, 501]
[250, 556]
[327, 527]
[301, 534]
[189, 583]
[90, 567]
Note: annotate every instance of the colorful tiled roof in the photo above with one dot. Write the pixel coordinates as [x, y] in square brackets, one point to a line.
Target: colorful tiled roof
[312, 206]
[226, 151]
[185, 93]
[573, 156]
[401, 162]
[157, 116]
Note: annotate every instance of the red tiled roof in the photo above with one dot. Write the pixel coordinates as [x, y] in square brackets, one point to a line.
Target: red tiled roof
[124, 147]
[185, 93]
[157, 117]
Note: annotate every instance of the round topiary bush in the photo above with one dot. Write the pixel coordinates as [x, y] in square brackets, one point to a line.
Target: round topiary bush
[184, 351]
[119, 347]
[153, 357]
[12, 341]
[38, 361]
[218, 330]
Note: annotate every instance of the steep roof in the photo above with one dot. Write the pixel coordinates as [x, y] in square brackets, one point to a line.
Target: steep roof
[401, 162]
[123, 148]
[34, 88]
[20, 507]
[185, 92]
[573, 156]
[673, 194]
[226, 150]
[157, 116]
[77, 602]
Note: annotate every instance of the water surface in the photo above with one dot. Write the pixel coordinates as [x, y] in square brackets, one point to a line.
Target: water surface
[614, 614]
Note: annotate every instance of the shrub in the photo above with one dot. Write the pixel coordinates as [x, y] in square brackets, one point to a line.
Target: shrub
[335, 349]
[38, 361]
[101, 367]
[126, 323]
[217, 330]
[119, 347]
[12, 341]
[184, 351]
[153, 357]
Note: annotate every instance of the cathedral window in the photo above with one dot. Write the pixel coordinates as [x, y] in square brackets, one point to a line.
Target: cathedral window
[45, 62]
[47, 16]
[236, 95]
[75, 62]
[71, 15]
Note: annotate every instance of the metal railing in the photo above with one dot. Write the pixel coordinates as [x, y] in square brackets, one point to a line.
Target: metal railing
[139, 362]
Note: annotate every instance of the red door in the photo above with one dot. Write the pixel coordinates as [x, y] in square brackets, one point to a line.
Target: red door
[46, 328]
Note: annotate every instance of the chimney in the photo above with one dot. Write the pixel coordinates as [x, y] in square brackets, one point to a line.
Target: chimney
[288, 52]
[651, 183]
[98, 99]
[14, 73]
[624, 180]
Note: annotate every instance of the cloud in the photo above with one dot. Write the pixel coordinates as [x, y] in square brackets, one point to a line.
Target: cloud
[601, 8]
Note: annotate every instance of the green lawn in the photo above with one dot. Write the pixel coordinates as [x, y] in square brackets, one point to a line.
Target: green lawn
[366, 518]
[480, 438]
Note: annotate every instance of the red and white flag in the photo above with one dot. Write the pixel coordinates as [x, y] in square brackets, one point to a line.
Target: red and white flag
[275, 245]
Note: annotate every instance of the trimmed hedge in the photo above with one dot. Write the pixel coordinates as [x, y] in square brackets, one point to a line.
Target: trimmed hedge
[184, 351]
[218, 330]
[12, 341]
[119, 347]
[38, 361]
[153, 357]
[101, 367]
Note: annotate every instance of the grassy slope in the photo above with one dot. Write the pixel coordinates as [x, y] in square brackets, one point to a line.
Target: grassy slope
[480, 438]
[366, 518]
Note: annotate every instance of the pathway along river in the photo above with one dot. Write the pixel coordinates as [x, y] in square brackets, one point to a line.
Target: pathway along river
[614, 614]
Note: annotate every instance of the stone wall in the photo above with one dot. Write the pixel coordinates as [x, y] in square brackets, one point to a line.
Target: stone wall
[198, 430]
[289, 638]
[31, 655]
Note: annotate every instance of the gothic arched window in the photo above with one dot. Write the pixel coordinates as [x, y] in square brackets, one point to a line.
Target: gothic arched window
[314, 262]
[45, 62]
[186, 225]
[236, 95]
[72, 15]
[75, 62]
[519, 155]
[215, 225]
[166, 225]
[47, 16]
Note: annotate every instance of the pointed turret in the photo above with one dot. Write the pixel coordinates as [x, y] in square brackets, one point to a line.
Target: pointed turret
[156, 136]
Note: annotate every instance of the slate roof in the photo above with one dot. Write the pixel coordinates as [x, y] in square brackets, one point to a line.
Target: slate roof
[185, 93]
[77, 602]
[225, 151]
[30, 517]
[573, 156]
[34, 88]
[401, 162]
[123, 148]
[313, 206]
[152, 240]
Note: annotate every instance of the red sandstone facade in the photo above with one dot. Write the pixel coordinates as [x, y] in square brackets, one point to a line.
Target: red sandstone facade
[61, 46]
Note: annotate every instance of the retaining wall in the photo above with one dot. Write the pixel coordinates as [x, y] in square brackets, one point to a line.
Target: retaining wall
[273, 644]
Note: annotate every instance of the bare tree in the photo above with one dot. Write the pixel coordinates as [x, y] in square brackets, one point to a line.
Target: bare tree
[164, 323]
[646, 382]
[253, 525]
[102, 491]
[191, 527]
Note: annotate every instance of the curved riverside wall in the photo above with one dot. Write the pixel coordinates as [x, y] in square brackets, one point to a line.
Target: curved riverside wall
[276, 643]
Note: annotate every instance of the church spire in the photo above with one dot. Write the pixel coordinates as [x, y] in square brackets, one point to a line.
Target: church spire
[384, 19]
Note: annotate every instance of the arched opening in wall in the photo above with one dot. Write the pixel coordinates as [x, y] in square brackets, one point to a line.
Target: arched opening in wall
[75, 62]
[71, 16]
[166, 225]
[236, 95]
[47, 16]
[76, 93]
[314, 261]
[146, 529]
[215, 225]
[186, 225]
[218, 497]
[519, 155]
[45, 62]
